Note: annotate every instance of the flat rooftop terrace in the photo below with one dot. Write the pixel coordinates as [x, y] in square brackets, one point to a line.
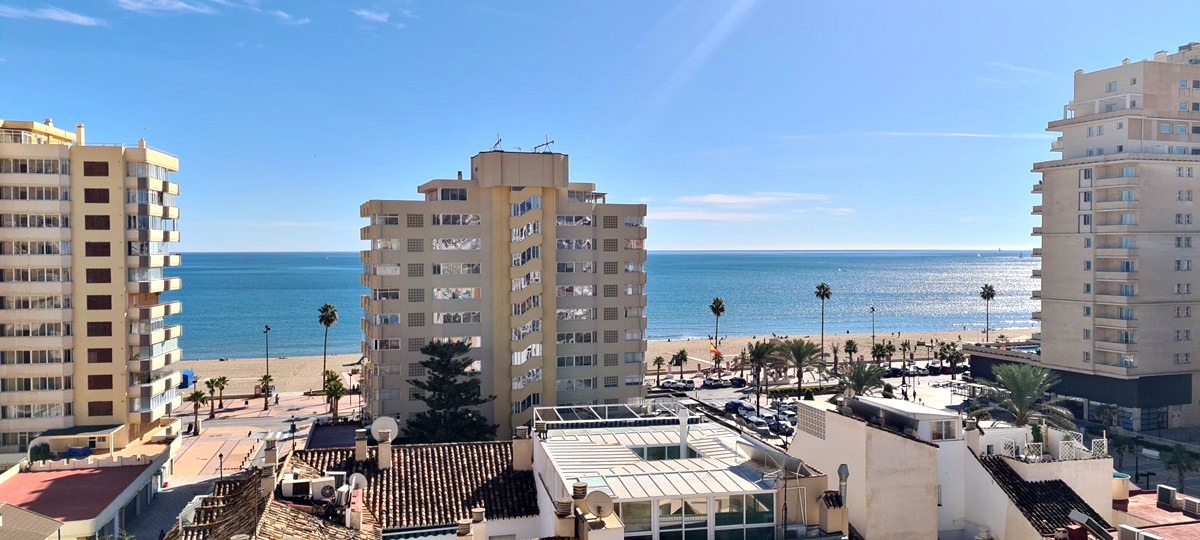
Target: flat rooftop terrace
[69, 495]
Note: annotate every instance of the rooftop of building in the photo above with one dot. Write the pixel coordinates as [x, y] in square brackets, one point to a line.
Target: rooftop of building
[1144, 506]
[19, 524]
[909, 408]
[69, 495]
[631, 461]
[1046, 504]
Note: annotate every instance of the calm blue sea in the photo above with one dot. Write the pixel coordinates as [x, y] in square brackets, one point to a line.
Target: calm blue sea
[228, 297]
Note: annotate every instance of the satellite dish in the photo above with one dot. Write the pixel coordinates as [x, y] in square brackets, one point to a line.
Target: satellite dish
[358, 480]
[384, 423]
[599, 503]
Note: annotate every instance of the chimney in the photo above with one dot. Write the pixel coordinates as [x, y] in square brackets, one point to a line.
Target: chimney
[683, 429]
[464, 528]
[478, 523]
[460, 175]
[141, 143]
[578, 492]
[564, 518]
[49, 122]
[522, 448]
[360, 445]
[79, 134]
[270, 461]
[384, 451]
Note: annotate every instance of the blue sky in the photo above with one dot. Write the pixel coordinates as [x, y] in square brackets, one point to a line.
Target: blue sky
[743, 124]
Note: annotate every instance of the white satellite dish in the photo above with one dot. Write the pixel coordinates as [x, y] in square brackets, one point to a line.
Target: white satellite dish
[599, 503]
[384, 423]
[358, 480]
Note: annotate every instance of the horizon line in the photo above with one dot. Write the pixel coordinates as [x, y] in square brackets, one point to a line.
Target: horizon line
[986, 250]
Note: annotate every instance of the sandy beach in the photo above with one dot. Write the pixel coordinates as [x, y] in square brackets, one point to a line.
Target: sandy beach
[300, 373]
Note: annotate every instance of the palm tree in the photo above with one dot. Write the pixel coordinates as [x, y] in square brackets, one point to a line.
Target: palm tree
[878, 352]
[950, 353]
[220, 383]
[824, 293]
[759, 357]
[718, 309]
[265, 382]
[659, 362]
[1182, 462]
[802, 355]
[334, 391]
[198, 399]
[212, 390]
[862, 377]
[890, 349]
[1024, 399]
[330, 377]
[851, 349]
[1120, 446]
[905, 346]
[717, 359]
[987, 293]
[328, 317]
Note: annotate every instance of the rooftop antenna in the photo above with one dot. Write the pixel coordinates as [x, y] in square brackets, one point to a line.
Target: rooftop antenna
[497, 145]
[545, 145]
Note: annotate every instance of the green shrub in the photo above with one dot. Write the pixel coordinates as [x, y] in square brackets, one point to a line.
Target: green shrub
[808, 394]
[41, 452]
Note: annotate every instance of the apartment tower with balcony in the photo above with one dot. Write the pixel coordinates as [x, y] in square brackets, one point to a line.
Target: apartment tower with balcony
[1120, 236]
[85, 349]
[542, 276]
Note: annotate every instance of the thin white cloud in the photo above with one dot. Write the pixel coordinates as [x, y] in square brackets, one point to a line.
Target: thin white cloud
[762, 197]
[989, 81]
[688, 214]
[836, 211]
[49, 13]
[164, 6]
[1019, 69]
[372, 16]
[289, 19]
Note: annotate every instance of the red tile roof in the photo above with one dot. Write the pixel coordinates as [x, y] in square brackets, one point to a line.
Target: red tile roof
[1176, 531]
[1144, 506]
[1046, 504]
[70, 495]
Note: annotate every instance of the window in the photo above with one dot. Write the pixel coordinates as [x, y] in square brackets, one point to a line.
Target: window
[98, 275]
[634, 290]
[575, 314]
[1099, 151]
[942, 430]
[1087, 196]
[610, 244]
[634, 335]
[99, 329]
[1087, 265]
[1087, 356]
[575, 267]
[519, 234]
[1164, 128]
[1126, 290]
[1181, 129]
[1085, 174]
[1183, 265]
[100, 408]
[610, 291]
[575, 337]
[610, 267]
[99, 302]
[1087, 242]
[96, 223]
[1087, 311]
[416, 270]
[634, 243]
[416, 320]
[610, 313]
[610, 381]
[610, 222]
[415, 344]
[414, 295]
[99, 356]
[1087, 288]
[455, 269]
[458, 219]
[457, 293]
[610, 360]
[584, 244]
[457, 244]
[530, 253]
[1128, 219]
[1087, 219]
[99, 382]
[413, 221]
[97, 249]
[1112, 86]
[1091, 131]
[95, 195]
[416, 245]
[1183, 106]
[528, 205]
[1087, 334]
[575, 221]
[1183, 83]
[95, 168]
[575, 290]
[1099, 130]
[452, 194]
[1120, 125]
[610, 336]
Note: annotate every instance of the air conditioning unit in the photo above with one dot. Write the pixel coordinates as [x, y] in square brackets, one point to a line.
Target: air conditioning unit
[338, 476]
[1166, 495]
[343, 496]
[1125, 532]
[296, 488]
[324, 489]
[1191, 508]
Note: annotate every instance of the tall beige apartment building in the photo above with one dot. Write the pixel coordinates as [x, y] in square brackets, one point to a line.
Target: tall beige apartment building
[541, 275]
[1120, 237]
[85, 348]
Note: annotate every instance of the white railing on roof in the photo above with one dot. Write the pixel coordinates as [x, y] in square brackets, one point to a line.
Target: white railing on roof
[1009, 448]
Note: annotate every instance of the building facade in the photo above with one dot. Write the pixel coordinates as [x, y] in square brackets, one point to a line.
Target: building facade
[84, 233]
[542, 276]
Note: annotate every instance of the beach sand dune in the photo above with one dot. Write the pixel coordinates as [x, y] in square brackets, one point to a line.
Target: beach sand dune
[301, 373]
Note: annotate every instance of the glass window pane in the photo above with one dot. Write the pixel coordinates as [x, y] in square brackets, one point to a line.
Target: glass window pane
[729, 509]
[729, 534]
[760, 508]
[670, 514]
[695, 534]
[695, 513]
[670, 535]
[760, 533]
[636, 516]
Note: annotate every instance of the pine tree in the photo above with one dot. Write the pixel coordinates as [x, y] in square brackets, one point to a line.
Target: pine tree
[452, 396]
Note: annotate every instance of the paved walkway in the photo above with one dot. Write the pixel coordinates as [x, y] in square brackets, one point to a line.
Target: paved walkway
[165, 508]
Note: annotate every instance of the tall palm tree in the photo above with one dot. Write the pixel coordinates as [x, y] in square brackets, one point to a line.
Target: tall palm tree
[659, 362]
[987, 293]
[1120, 446]
[1181, 462]
[759, 357]
[1024, 399]
[198, 399]
[265, 382]
[335, 391]
[862, 377]
[220, 383]
[802, 355]
[851, 349]
[328, 317]
[878, 352]
[950, 353]
[212, 403]
[889, 349]
[824, 293]
[905, 346]
[718, 309]
[330, 377]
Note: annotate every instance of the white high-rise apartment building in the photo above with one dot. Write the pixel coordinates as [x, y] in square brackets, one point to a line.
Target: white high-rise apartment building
[542, 276]
[1120, 240]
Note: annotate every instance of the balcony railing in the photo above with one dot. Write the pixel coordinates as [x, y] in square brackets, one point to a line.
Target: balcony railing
[137, 405]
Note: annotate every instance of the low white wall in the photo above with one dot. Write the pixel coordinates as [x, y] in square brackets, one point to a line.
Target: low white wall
[1090, 478]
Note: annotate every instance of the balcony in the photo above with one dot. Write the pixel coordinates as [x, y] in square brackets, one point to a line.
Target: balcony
[1118, 299]
[37, 397]
[1037, 210]
[1037, 231]
[1116, 346]
[1056, 145]
[151, 235]
[1037, 273]
[1037, 316]
[1116, 253]
[157, 311]
[1037, 188]
[1117, 181]
[138, 363]
[155, 336]
[154, 383]
[1116, 276]
[169, 212]
[1037, 252]
[158, 406]
[1036, 295]
[156, 285]
[1114, 229]
[1104, 206]
[152, 261]
[1123, 324]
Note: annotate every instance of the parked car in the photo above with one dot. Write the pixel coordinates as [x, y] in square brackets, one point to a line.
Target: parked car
[786, 429]
[758, 424]
[737, 382]
[725, 382]
[669, 384]
[747, 410]
[687, 384]
[712, 382]
[769, 418]
[788, 417]
[735, 405]
[894, 372]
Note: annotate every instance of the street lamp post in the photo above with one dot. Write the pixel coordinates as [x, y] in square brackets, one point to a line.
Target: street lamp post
[872, 326]
[267, 353]
[1147, 475]
[221, 459]
[293, 431]
[1137, 458]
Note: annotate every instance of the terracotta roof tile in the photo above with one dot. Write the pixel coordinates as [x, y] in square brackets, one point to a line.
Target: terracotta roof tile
[233, 508]
[1046, 504]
